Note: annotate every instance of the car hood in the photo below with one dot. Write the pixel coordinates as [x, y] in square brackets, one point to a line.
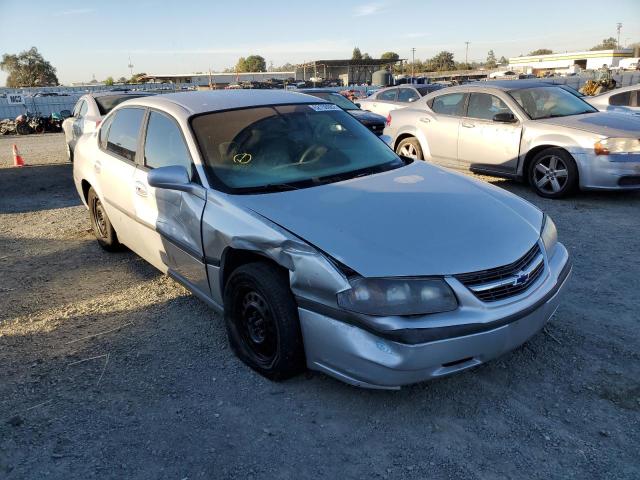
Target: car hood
[610, 124]
[416, 220]
[367, 117]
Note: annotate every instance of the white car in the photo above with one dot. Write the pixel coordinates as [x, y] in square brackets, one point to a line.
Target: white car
[88, 113]
[388, 99]
[625, 100]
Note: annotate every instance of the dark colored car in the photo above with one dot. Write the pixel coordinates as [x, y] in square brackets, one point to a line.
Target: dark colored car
[372, 121]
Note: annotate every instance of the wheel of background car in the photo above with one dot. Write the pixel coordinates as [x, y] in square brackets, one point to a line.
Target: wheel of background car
[69, 153]
[410, 147]
[553, 173]
[262, 323]
[100, 223]
[22, 129]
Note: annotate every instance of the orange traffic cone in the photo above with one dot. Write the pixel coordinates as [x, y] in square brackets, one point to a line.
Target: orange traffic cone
[17, 158]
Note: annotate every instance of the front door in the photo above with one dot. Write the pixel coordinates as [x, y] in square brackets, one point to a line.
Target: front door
[484, 143]
[169, 220]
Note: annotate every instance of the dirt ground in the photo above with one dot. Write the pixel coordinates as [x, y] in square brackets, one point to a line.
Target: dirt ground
[108, 369]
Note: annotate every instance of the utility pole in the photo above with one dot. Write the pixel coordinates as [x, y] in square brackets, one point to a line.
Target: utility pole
[466, 54]
[130, 66]
[413, 63]
[618, 28]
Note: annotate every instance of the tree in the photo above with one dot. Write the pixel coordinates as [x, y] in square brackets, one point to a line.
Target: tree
[28, 69]
[491, 60]
[287, 67]
[366, 56]
[541, 51]
[503, 60]
[122, 80]
[356, 55]
[137, 78]
[443, 61]
[253, 63]
[393, 56]
[109, 81]
[607, 44]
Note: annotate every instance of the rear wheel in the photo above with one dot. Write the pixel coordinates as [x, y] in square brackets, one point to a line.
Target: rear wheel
[100, 223]
[261, 317]
[69, 153]
[410, 147]
[553, 173]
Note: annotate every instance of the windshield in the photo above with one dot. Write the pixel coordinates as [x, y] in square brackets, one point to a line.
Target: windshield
[336, 98]
[107, 103]
[287, 147]
[550, 102]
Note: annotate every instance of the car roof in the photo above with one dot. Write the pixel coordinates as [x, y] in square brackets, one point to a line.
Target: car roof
[118, 92]
[217, 100]
[316, 90]
[628, 88]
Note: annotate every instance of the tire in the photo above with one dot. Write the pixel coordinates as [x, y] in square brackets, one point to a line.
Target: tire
[261, 318]
[69, 153]
[410, 147]
[23, 129]
[101, 225]
[553, 173]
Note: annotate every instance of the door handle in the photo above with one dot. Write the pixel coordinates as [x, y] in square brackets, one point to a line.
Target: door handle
[425, 120]
[141, 190]
[468, 125]
[97, 166]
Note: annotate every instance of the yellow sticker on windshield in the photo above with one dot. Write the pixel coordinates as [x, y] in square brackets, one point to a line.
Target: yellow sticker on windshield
[242, 158]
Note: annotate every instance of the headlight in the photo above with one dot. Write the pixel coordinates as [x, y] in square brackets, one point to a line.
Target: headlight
[398, 296]
[549, 235]
[617, 145]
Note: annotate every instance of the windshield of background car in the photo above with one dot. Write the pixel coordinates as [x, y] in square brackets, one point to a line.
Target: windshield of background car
[336, 98]
[109, 102]
[292, 146]
[550, 102]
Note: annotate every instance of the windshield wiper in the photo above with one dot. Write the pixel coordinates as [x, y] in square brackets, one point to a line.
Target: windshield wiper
[363, 172]
[273, 187]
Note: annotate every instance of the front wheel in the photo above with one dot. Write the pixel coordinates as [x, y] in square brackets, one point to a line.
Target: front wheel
[261, 317]
[410, 147]
[100, 223]
[23, 129]
[553, 173]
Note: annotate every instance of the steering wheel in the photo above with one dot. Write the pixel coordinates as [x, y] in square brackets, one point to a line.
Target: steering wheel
[312, 154]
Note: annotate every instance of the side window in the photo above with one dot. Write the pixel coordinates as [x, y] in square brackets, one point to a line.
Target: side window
[83, 110]
[621, 99]
[122, 138]
[76, 109]
[407, 95]
[388, 95]
[104, 132]
[485, 106]
[451, 104]
[164, 145]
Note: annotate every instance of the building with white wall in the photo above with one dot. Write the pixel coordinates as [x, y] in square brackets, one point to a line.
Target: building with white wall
[569, 61]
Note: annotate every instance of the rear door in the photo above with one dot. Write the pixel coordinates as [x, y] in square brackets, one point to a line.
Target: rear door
[169, 221]
[115, 166]
[440, 126]
[485, 144]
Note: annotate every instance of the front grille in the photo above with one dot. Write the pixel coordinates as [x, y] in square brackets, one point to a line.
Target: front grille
[506, 281]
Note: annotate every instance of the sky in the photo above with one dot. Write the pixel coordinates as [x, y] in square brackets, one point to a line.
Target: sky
[83, 39]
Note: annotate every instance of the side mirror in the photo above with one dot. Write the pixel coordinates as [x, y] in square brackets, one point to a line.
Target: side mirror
[505, 118]
[358, 105]
[174, 178]
[65, 113]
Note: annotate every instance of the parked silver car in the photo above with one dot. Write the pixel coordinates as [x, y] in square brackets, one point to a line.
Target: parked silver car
[388, 99]
[623, 100]
[527, 130]
[322, 247]
[88, 113]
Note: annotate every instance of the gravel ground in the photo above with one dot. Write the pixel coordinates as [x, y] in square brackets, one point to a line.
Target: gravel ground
[112, 370]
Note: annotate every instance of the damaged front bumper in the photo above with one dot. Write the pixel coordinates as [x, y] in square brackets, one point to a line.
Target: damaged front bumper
[400, 351]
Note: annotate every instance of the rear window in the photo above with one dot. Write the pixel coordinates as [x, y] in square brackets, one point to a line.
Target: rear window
[109, 102]
[431, 88]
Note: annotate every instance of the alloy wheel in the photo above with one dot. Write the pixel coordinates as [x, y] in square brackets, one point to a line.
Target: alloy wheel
[551, 174]
[408, 150]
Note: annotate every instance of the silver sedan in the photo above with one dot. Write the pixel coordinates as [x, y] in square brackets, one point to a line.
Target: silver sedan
[322, 247]
[527, 130]
[623, 100]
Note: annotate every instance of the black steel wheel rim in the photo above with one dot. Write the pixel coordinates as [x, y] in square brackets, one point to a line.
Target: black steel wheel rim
[99, 218]
[550, 174]
[256, 326]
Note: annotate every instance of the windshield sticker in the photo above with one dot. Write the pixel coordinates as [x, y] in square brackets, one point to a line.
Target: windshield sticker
[325, 107]
[242, 158]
